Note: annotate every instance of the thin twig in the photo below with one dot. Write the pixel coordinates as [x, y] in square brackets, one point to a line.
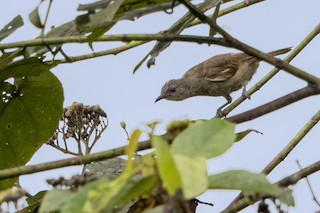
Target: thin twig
[293, 143]
[309, 185]
[112, 51]
[46, 19]
[275, 104]
[228, 10]
[65, 151]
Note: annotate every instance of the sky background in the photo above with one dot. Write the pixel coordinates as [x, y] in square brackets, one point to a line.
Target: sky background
[109, 82]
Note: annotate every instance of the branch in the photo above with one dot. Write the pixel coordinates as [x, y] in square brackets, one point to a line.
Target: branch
[250, 50]
[275, 70]
[285, 182]
[228, 10]
[283, 154]
[310, 187]
[296, 177]
[275, 104]
[293, 143]
[23, 170]
[121, 37]
[113, 51]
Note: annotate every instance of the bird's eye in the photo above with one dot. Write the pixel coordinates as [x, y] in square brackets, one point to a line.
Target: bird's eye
[172, 90]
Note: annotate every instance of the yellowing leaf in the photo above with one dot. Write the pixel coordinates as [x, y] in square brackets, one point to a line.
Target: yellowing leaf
[193, 174]
[133, 145]
[166, 165]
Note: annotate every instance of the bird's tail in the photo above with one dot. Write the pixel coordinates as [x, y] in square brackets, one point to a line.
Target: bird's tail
[279, 52]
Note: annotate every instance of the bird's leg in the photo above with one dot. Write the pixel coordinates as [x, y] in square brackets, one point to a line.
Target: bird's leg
[219, 110]
[245, 93]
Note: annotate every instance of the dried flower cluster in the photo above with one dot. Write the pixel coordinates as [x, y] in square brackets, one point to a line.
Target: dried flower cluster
[80, 122]
[74, 182]
[11, 195]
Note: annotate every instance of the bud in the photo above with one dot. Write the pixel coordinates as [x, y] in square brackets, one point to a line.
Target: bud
[123, 124]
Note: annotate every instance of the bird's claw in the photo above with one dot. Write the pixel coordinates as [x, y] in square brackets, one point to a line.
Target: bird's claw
[220, 114]
[246, 95]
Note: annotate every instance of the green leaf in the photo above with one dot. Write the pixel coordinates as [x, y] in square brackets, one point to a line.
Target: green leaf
[33, 203]
[77, 201]
[193, 174]
[11, 27]
[131, 149]
[133, 189]
[99, 22]
[207, 139]
[28, 67]
[36, 198]
[7, 57]
[249, 182]
[243, 134]
[54, 200]
[158, 209]
[166, 165]
[30, 114]
[34, 18]
[104, 195]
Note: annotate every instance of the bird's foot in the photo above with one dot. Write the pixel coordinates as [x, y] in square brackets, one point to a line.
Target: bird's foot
[246, 95]
[220, 114]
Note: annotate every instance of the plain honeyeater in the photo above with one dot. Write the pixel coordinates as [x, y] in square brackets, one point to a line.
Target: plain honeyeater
[217, 76]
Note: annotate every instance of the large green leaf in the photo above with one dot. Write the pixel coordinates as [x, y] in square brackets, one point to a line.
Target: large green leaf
[207, 139]
[103, 195]
[249, 182]
[193, 174]
[29, 114]
[54, 200]
[166, 165]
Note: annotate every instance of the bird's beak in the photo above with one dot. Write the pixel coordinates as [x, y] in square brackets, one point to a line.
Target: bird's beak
[159, 98]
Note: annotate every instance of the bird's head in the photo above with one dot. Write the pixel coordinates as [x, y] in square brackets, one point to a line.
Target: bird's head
[175, 90]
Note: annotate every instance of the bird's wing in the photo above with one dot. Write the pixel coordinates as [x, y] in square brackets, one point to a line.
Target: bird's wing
[218, 68]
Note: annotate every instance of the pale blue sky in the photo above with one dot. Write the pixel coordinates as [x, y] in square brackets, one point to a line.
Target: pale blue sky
[109, 82]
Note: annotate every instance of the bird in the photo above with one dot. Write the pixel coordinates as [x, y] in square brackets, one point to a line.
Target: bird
[220, 75]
